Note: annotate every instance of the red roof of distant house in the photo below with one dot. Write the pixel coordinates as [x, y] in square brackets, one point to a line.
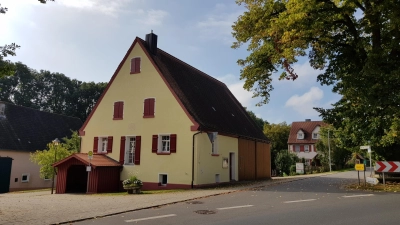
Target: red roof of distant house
[307, 127]
[99, 160]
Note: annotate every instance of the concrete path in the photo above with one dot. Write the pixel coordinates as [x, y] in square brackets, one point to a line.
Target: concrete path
[43, 208]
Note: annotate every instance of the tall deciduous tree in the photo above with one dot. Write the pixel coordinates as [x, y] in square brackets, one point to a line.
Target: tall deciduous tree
[51, 92]
[53, 153]
[259, 121]
[355, 44]
[278, 134]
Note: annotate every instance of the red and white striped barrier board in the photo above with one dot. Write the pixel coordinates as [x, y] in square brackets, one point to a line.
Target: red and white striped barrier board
[391, 166]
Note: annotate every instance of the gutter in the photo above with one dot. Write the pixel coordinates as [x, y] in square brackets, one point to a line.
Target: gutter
[193, 157]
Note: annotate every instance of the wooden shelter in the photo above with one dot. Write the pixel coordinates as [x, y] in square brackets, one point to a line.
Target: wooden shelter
[72, 175]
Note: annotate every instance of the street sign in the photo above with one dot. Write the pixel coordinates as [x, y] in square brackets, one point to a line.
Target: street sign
[390, 166]
[372, 180]
[365, 147]
[90, 155]
[360, 167]
[88, 168]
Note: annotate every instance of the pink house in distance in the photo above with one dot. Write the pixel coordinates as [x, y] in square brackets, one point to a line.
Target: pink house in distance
[303, 137]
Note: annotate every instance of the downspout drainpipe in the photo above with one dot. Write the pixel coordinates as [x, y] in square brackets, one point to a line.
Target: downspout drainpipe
[193, 157]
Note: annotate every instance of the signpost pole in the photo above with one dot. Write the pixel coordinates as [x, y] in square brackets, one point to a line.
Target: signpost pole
[365, 179]
[383, 174]
[370, 161]
[358, 172]
[88, 169]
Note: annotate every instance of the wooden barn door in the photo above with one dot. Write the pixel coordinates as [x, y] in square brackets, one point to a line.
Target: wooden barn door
[247, 159]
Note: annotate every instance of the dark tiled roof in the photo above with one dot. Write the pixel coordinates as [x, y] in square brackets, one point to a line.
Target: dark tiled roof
[26, 129]
[207, 100]
[307, 127]
[98, 160]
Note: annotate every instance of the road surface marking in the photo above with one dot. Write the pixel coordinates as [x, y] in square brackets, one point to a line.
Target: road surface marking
[235, 207]
[150, 218]
[305, 200]
[354, 196]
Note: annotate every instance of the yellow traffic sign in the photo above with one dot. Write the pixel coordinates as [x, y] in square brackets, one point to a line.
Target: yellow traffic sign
[360, 167]
[90, 153]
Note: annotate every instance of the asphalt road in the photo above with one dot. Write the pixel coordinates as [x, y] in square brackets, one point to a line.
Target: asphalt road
[319, 200]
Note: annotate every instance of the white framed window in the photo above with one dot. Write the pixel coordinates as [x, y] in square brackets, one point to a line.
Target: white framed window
[103, 141]
[130, 144]
[217, 180]
[46, 178]
[297, 148]
[213, 136]
[165, 143]
[163, 179]
[300, 135]
[315, 136]
[306, 148]
[25, 178]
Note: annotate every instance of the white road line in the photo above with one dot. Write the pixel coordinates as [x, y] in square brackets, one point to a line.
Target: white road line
[150, 218]
[305, 200]
[354, 196]
[235, 207]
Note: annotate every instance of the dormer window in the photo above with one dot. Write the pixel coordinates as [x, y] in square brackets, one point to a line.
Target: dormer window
[300, 135]
[315, 133]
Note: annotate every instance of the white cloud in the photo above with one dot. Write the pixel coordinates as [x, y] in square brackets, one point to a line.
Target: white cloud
[243, 96]
[111, 8]
[151, 17]
[304, 104]
[307, 76]
[218, 24]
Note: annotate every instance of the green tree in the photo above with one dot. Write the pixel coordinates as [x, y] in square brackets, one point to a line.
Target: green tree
[259, 121]
[340, 154]
[278, 134]
[284, 159]
[355, 44]
[54, 153]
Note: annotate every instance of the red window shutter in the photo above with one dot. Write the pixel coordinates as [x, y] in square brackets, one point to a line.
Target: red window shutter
[122, 150]
[133, 65]
[154, 145]
[172, 143]
[137, 65]
[151, 106]
[302, 148]
[109, 144]
[121, 110]
[138, 143]
[146, 107]
[115, 110]
[95, 144]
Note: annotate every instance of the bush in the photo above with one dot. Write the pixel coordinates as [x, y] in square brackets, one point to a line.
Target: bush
[292, 169]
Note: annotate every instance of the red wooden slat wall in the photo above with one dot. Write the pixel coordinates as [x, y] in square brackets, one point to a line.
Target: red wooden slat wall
[102, 179]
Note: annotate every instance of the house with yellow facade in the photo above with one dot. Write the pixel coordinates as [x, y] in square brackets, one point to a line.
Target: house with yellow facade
[168, 123]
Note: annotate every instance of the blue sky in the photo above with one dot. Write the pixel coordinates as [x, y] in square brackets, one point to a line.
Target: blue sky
[87, 39]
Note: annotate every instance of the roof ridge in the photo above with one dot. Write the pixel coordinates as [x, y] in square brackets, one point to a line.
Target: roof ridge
[187, 64]
[29, 108]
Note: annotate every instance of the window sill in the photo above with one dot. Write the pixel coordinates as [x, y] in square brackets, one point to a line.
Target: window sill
[214, 154]
[117, 118]
[148, 116]
[135, 72]
[163, 153]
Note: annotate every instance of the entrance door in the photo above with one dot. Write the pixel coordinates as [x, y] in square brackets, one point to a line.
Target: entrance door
[5, 174]
[231, 166]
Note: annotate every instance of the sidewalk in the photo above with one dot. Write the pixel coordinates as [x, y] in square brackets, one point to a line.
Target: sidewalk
[43, 208]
